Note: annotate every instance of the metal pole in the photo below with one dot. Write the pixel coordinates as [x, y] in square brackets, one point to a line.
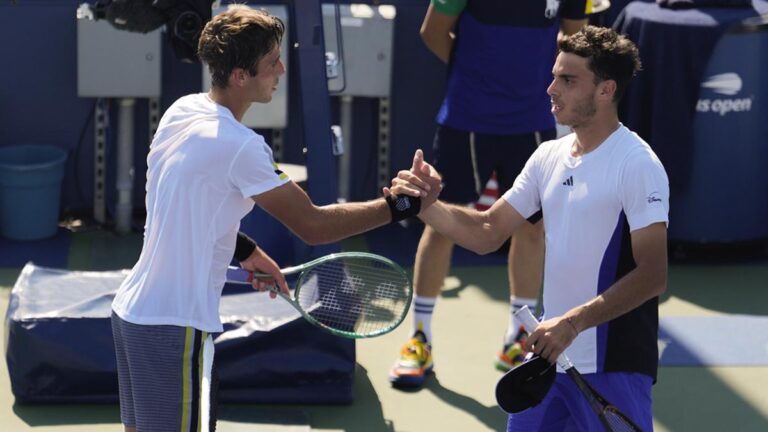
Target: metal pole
[309, 49]
[345, 164]
[124, 181]
[100, 160]
[384, 175]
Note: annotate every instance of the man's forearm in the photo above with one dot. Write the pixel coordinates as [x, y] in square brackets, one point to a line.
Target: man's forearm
[465, 226]
[628, 293]
[334, 222]
[647, 280]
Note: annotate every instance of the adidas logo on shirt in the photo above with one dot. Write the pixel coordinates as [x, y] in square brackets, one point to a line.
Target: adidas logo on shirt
[568, 181]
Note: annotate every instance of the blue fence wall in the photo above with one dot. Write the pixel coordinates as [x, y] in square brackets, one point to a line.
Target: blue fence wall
[39, 102]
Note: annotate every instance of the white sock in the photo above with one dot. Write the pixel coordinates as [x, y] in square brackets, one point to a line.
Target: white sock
[516, 303]
[422, 315]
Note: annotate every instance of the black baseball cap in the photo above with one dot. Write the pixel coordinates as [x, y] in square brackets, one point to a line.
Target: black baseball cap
[525, 385]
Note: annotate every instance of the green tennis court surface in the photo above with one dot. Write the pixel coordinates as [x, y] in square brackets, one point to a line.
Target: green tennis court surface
[468, 327]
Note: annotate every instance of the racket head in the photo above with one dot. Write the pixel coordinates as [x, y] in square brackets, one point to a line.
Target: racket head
[354, 294]
[525, 385]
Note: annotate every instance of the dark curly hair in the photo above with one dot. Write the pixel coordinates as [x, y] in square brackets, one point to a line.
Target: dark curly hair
[238, 38]
[610, 56]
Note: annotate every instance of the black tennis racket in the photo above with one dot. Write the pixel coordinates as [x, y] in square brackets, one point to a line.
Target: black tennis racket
[349, 294]
[612, 419]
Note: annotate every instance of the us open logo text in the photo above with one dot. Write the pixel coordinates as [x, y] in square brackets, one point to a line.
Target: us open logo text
[728, 84]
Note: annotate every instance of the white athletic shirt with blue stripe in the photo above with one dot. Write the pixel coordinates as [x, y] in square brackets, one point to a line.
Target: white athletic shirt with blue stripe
[203, 168]
[590, 204]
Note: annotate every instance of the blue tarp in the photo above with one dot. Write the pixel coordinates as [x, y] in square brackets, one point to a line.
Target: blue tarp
[59, 345]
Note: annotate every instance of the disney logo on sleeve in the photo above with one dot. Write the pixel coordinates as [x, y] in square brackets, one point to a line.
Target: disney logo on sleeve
[653, 197]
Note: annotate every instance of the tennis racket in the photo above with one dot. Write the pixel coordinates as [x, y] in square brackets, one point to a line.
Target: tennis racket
[349, 294]
[612, 419]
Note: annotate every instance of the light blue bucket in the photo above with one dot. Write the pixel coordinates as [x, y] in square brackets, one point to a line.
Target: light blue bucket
[30, 191]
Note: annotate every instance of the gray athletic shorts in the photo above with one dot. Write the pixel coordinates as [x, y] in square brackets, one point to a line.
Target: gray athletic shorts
[166, 376]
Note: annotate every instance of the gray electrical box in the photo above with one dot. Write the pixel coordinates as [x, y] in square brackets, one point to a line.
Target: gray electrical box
[116, 63]
[364, 66]
[272, 115]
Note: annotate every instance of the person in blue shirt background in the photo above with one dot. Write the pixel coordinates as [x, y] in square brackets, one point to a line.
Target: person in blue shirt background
[495, 113]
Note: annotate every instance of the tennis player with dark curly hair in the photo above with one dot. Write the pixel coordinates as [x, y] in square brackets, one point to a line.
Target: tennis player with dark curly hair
[604, 197]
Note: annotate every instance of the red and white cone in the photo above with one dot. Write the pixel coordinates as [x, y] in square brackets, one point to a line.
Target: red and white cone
[490, 194]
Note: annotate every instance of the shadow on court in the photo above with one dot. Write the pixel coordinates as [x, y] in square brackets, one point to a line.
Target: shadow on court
[8, 278]
[491, 279]
[727, 281]
[52, 415]
[258, 415]
[695, 399]
[364, 414]
[491, 416]
[728, 288]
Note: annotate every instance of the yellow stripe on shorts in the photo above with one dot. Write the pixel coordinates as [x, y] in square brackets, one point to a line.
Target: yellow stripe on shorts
[186, 371]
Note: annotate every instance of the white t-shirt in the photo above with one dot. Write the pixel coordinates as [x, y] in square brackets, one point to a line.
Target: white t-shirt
[590, 204]
[203, 168]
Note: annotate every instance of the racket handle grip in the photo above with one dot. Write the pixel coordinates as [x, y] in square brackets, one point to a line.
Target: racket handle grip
[241, 276]
[271, 287]
[530, 322]
[238, 275]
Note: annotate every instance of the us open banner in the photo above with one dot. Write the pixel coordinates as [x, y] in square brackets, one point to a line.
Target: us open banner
[728, 185]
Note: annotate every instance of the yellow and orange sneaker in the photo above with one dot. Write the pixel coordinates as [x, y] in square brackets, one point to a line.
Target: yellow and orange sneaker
[414, 364]
[512, 354]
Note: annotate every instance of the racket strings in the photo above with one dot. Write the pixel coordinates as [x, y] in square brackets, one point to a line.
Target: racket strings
[618, 422]
[357, 295]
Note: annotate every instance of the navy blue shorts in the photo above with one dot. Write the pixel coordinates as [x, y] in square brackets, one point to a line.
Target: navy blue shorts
[466, 160]
[566, 409]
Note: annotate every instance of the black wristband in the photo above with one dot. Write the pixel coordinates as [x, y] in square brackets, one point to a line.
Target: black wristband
[244, 247]
[403, 206]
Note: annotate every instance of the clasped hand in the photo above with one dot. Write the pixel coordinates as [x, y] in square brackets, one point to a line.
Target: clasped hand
[421, 180]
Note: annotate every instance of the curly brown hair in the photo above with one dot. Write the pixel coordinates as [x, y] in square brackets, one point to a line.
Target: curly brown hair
[610, 55]
[238, 38]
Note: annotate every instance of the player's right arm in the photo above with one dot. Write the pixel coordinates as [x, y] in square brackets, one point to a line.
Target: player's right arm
[315, 224]
[321, 224]
[437, 28]
[481, 232]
